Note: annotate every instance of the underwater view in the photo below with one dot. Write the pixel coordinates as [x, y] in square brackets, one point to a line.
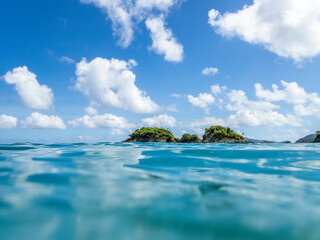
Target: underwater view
[160, 191]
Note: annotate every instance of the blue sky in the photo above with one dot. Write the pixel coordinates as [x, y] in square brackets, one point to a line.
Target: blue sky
[94, 70]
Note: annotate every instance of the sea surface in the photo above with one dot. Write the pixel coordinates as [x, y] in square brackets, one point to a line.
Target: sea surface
[150, 191]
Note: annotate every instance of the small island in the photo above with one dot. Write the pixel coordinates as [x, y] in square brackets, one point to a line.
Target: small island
[219, 134]
[148, 134]
[214, 134]
[188, 138]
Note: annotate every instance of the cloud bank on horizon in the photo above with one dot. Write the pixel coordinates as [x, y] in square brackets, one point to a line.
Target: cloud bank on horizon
[262, 112]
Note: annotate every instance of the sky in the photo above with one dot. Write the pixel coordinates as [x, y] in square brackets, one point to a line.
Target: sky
[96, 70]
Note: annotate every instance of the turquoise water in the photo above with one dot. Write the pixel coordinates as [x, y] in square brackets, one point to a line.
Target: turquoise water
[160, 191]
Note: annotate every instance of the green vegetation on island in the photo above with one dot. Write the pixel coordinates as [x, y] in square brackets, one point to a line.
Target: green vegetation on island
[148, 134]
[317, 139]
[215, 134]
[219, 134]
[188, 138]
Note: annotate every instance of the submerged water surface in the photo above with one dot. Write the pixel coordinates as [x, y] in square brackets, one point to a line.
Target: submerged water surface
[160, 191]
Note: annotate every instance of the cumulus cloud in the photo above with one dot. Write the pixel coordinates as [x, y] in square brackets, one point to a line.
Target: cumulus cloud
[102, 121]
[262, 112]
[91, 111]
[163, 5]
[32, 94]
[292, 93]
[119, 13]
[112, 83]
[256, 113]
[239, 101]
[163, 120]
[198, 125]
[126, 15]
[310, 109]
[288, 28]
[7, 122]
[40, 121]
[163, 41]
[204, 100]
[305, 104]
[216, 89]
[258, 118]
[210, 71]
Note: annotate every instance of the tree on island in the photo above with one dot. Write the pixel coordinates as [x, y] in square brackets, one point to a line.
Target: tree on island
[188, 138]
[221, 134]
[214, 134]
[152, 134]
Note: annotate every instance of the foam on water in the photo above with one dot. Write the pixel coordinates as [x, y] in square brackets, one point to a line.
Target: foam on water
[160, 191]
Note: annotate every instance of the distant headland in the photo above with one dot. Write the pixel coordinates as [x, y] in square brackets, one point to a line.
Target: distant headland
[311, 138]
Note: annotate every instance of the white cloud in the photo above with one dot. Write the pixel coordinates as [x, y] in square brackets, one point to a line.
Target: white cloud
[198, 125]
[163, 120]
[311, 109]
[176, 95]
[119, 13]
[254, 113]
[292, 93]
[112, 83]
[127, 14]
[289, 28]
[210, 71]
[7, 122]
[247, 118]
[239, 101]
[255, 118]
[159, 4]
[117, 131]
[305, 104]
[32, 94]
[163, 41]
[216, 89]
[172, 108]
[40, 121]
[204, 100]
[66, 60]
[91, 111]
[102, 121]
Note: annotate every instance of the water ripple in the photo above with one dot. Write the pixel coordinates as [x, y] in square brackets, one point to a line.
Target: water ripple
[159, 191]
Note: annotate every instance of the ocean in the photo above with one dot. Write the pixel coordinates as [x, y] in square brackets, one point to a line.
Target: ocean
[151, 191]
